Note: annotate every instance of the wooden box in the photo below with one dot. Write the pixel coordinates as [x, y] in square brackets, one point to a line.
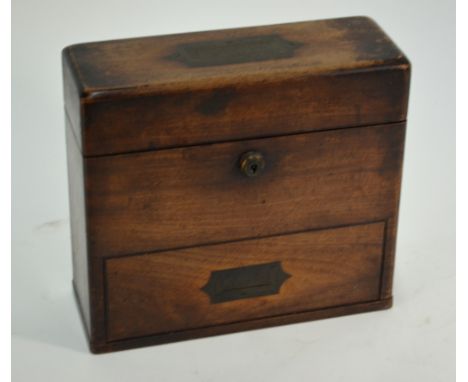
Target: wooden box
[230, 180]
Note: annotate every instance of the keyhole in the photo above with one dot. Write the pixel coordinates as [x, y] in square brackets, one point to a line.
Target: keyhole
[252, 163]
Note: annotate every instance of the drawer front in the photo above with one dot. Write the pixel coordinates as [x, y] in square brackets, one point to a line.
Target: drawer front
[198, 195]
[240, 281]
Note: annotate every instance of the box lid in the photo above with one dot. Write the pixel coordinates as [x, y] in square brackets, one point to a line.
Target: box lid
[186, 89]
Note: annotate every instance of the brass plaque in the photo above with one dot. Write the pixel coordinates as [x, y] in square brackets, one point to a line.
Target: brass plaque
[245, 282]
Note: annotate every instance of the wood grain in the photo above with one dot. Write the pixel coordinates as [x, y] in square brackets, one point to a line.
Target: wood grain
[197, 195]
[345, 72]
[144, 65]
[155, 130]
[266, 322]
[162, 292]
[238, 112]
[76, 190]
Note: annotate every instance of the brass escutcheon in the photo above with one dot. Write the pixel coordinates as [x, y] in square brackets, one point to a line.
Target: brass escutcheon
[252, 163]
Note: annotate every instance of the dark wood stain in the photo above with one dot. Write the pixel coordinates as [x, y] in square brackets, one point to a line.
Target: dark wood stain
[216, 102]
[136, 67]
[245, 282]
[371, 42]
[131, 94]
[171, 240]
[265, 109]
[234, 51]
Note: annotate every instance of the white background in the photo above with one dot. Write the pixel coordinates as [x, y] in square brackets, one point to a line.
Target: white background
[414, 341]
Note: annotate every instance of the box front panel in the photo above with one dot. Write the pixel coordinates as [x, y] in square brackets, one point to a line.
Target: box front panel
[270, 108]
[247, 280]
[199, 195]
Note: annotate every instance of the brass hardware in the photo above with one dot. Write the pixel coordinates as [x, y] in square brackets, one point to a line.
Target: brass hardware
[252, 163]
[245, 282]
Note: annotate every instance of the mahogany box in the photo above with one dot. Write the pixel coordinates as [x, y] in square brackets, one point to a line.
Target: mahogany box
[236, 179]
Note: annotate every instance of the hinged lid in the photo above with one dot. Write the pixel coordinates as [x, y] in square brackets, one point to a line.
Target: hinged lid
[166, 91]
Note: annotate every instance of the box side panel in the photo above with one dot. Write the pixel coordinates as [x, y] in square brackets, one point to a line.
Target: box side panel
[78, 225]
[388, 265]
[71, 94]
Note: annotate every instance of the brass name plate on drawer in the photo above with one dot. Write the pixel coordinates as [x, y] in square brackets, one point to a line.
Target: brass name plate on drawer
[245, 282]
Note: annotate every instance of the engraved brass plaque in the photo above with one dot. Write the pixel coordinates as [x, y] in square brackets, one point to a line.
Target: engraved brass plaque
[245, 282]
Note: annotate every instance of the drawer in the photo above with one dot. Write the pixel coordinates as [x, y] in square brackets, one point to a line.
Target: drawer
[198, 195]
[219, 284]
